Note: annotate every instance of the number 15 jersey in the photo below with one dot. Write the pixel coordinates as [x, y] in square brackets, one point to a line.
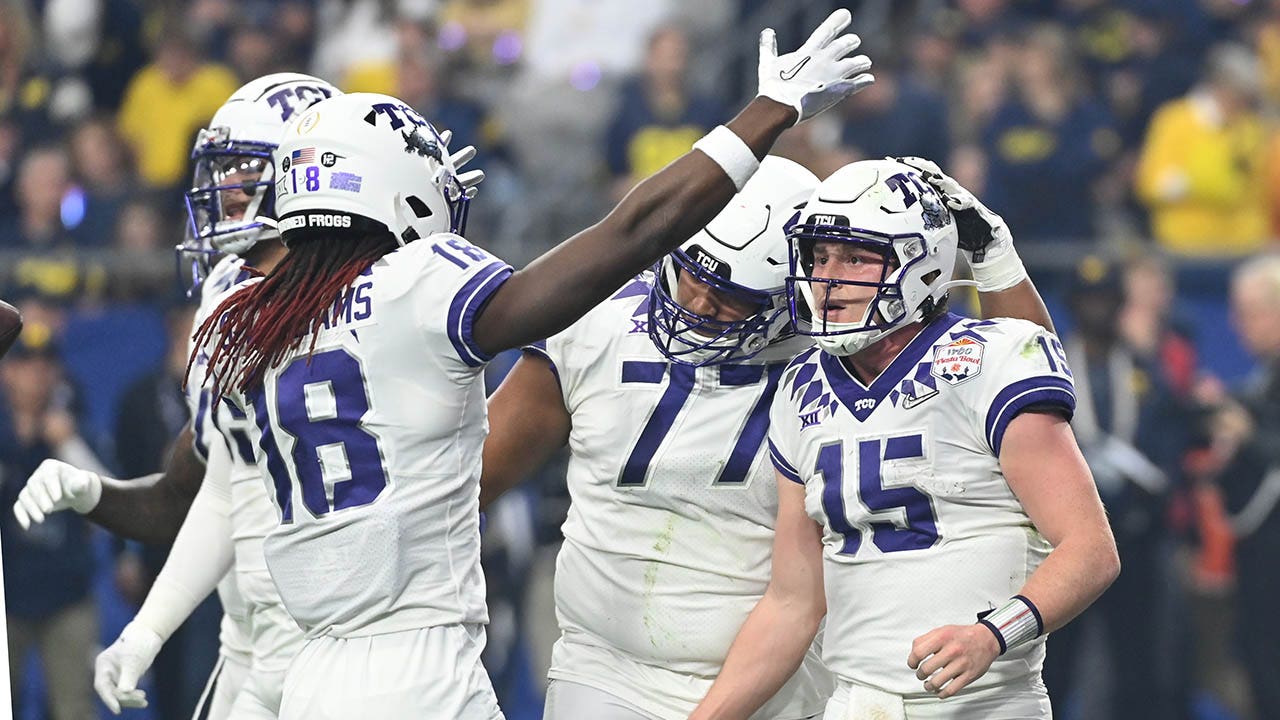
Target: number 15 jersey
[920, 528]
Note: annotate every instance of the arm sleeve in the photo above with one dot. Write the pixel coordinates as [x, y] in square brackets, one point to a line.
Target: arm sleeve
[201, 555]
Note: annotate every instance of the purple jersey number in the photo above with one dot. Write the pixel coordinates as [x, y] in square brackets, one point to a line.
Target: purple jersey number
[750, 439]
[320, 403]
[920, 530]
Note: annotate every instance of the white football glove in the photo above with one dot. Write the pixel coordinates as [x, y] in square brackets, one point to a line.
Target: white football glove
[55, 486]
[819, 74]
[984, 236]
[117, 669]
[470, 179]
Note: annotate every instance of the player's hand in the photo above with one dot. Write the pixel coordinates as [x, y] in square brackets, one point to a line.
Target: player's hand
[950, 657]
[819, 74]
[984, 235]
[56, 486]
[117, 669]
[469, 179]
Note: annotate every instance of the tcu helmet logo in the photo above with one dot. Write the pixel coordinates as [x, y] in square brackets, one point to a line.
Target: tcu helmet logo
[296, 98]
[935, 216]
[710, 263]
[399, 115]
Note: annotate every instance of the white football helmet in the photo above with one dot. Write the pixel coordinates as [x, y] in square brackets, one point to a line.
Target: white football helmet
[234, 154]
[367, 162]
[885, 206]
[741, 252]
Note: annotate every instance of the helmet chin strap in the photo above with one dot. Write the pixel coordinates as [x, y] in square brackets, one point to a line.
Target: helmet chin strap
[956, 283]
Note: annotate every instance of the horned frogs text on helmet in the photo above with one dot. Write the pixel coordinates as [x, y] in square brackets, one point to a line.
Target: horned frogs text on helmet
[365, 161]
[234, 154]
[741, 252]
[885, 206]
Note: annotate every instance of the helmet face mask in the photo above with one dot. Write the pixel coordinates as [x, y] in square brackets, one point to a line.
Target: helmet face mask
[883, 207]
[231, 202]
[687, 337]
[231, 195]
[740, 257]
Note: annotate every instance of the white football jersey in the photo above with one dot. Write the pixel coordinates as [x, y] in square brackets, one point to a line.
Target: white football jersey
[372, 443]
[236, 633]
[920, 528]
[252, 514]
[669, 535]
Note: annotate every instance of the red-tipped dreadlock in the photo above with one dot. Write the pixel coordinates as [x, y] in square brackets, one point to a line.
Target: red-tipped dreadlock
[258, 325]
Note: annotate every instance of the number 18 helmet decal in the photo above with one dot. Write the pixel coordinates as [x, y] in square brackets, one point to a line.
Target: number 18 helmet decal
[886, 207]
[366, 162]
[231, 203]
[741, 254]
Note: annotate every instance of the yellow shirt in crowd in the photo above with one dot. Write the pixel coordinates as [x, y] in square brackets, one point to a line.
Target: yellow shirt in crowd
[159, 119]
[1203, 179]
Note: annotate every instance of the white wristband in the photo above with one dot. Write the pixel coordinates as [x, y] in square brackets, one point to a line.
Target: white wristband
[999, 273]
[729, 152]
[1015, 623]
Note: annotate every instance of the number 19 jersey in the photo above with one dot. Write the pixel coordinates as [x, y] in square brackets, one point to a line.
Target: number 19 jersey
[920, 528]
[372, 443]
[669, 535]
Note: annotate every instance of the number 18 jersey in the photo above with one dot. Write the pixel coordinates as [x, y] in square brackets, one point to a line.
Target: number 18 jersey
[920, 528]
[372, 443]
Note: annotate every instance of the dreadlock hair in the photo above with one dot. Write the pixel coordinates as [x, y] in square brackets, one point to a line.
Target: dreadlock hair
[258, 325]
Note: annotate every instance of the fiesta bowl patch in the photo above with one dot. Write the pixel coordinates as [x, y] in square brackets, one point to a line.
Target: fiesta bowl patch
[958, 361]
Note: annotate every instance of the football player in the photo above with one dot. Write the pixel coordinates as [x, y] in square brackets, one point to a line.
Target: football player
[212, 480]
[932, 502]
[662, 394]
[358, 359]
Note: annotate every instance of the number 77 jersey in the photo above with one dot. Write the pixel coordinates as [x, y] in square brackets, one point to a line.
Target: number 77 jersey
[670, 530]
[920, 528]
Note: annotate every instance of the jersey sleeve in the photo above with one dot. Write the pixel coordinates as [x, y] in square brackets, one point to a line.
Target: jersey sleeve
[543, 349]
[784, 429]
[1030, 372]
[458, 278]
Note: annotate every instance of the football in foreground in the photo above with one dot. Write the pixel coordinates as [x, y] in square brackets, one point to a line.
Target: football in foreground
[10, 326]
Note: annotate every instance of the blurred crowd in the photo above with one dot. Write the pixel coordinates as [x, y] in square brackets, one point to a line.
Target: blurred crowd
[1132, 145]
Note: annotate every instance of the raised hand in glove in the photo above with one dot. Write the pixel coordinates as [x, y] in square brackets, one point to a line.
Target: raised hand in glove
[984, 236]
[819, 74]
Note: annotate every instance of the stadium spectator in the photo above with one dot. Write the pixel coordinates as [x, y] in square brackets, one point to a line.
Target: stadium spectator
[103, 167]
[1049, 143]
[166, 103]
[1250, 431]
[1201, 172]
[49, 266]
[658, 116]
[1129, 432]
[26, 86]
[1151, 325]
[251, 52]
[897, 116]
[44, 179]
[47, 571]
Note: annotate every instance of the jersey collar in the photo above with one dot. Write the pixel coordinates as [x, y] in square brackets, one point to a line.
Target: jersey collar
[862, 401]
